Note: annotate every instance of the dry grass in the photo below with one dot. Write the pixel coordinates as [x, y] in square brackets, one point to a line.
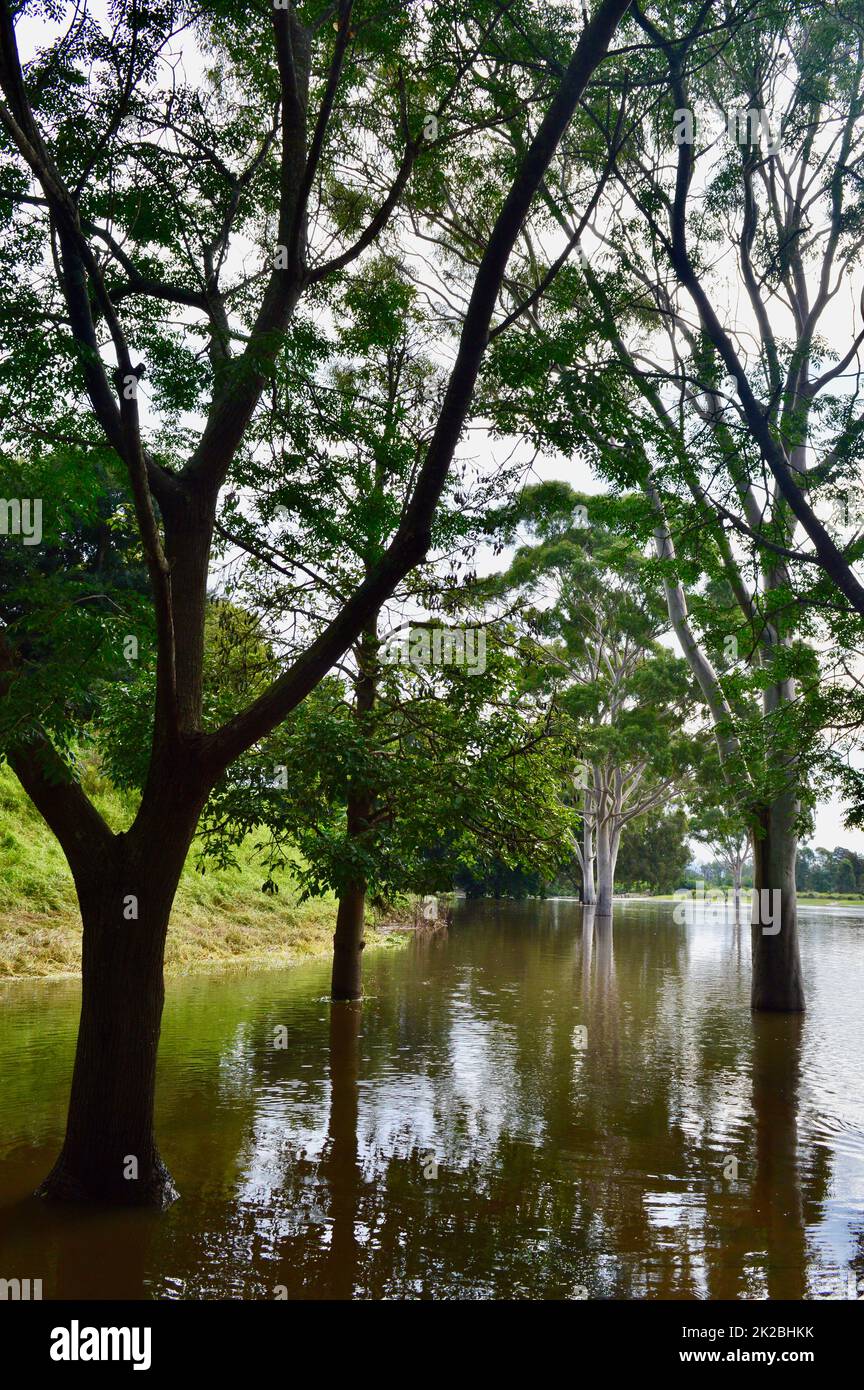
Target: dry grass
[44, 944]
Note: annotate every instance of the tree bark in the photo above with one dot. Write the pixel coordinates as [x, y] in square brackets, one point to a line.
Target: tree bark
[777, 982]
[348, 944]
[589, 895]
[126, 889]
[109, 1153]
[607, 855]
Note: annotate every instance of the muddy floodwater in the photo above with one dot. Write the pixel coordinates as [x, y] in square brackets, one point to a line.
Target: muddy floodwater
[526, 1106]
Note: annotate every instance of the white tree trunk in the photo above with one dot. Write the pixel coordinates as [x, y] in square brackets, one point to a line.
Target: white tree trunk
[608, 839]
[589, 895]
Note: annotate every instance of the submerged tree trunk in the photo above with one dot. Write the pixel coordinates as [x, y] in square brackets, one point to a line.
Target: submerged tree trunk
[347, 978]
[109, 1152]
[348, 942]
[607, 855]
[777, 979]
[777, 982]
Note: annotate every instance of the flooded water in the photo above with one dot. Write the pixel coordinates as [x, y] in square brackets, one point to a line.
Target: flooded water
[523, 1107]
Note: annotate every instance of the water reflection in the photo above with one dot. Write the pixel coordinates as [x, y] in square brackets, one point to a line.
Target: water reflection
[535, 1105]
[776, 1214]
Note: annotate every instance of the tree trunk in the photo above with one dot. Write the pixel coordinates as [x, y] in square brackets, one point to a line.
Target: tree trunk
[125, 892]
[736, 887]
[589, 895]
[607, 854]
[777, 980]
[348, 943]
[109, 1153]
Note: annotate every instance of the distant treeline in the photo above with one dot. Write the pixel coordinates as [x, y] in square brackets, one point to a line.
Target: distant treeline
[653, 858]
[818, 870]
[830, 871]
[656, 859]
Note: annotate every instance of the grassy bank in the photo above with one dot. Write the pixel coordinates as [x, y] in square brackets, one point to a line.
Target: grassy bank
[220, 918]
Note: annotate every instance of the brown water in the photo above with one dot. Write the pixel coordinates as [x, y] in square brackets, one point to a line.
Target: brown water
[522, 1108]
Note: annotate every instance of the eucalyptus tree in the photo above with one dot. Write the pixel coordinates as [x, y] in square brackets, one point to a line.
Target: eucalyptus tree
[776, 384]
[739, 188]
[761, 227]
[588, 598]
[163, 235]
[643, 375]
[727, 835]
[738, 424]
[744, 641]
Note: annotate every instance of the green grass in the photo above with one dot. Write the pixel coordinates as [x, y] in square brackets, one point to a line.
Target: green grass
[220, 918]
[814, 899]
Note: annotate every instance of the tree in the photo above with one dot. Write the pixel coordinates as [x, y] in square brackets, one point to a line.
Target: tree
[845, 877]
[793, 198]
[589, 603]
[829, 871]
[641, 381]
[728, 836]
[130, 208]
[360, 427]
[654, 853]
[457, 770]
[742, 378]
[499, 880]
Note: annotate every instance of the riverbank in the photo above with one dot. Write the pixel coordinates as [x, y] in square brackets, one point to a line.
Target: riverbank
[47, 946]
[221, 918]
